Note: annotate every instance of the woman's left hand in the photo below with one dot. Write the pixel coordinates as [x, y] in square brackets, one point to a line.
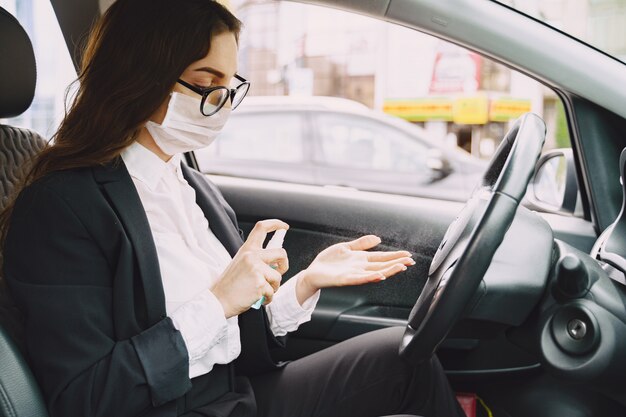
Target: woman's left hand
[349, 263]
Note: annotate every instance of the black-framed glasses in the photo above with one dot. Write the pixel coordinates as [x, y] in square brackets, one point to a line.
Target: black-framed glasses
[214, 98]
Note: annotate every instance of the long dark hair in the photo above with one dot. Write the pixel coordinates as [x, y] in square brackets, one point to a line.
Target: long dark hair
[134, 54]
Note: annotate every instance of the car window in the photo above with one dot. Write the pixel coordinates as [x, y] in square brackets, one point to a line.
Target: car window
[297, 57]
[356, 142]
[264, 137]
[55, 71]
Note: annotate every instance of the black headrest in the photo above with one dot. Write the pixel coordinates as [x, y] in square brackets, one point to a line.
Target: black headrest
[18, 73]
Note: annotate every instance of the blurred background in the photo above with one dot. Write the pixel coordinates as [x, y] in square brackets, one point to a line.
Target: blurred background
[293, 49]
[458, 99]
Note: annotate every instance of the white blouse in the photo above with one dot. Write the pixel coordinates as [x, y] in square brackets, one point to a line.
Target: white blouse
[191, 260]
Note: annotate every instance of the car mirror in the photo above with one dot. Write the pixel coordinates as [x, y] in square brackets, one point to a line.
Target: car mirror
[554, 187]
[438, 164]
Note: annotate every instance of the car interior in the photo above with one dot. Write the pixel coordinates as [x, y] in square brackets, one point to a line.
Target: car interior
[525, 308]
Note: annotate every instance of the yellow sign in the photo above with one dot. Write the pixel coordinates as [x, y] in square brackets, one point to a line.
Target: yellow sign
[476, 110]
[470, 110]
[420, 110]
[505, 109]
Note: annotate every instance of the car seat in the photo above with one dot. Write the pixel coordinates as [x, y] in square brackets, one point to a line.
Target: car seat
[19, 394]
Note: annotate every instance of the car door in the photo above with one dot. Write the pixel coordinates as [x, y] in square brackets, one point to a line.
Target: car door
[320, 217]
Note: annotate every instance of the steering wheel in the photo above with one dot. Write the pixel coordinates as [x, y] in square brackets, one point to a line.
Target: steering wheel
[470, 242]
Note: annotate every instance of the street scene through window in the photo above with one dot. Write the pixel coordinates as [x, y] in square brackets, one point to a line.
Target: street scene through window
[371, 96]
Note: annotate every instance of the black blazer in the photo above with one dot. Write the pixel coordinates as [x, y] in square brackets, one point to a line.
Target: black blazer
[81, 264]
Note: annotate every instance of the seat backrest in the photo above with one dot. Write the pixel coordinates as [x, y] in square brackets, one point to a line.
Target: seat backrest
[19, 394]
[17, 89]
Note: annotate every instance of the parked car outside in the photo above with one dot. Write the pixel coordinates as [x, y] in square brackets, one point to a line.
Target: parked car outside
[331, 141]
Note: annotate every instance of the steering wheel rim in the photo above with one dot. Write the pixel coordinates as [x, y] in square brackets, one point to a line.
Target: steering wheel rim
[470, 242]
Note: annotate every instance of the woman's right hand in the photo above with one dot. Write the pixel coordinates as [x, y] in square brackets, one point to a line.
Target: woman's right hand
[249, 276]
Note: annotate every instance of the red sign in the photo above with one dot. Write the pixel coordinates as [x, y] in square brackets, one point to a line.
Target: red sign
[455, 71]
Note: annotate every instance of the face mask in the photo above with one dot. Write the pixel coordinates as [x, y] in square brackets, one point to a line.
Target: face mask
[184, 128]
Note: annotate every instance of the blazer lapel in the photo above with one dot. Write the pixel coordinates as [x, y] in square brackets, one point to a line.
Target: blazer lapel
[254, 324]
[122, 194]
[118, 186]
[214, 207]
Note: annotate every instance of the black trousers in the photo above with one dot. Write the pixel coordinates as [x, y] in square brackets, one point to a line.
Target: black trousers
[361, 377]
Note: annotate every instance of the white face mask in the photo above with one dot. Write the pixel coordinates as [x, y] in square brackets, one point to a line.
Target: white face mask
[184, 128]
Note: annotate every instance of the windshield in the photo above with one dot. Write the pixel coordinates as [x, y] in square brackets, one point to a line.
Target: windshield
[600, 23]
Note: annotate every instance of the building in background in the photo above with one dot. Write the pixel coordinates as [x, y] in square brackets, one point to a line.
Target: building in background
[457, 95]
[292, 49]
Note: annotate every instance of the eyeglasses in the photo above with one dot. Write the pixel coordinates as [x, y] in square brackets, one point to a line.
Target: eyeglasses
[214, 98]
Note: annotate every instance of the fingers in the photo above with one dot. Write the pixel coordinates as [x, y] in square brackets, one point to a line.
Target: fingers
[381, 256]
[276, 257]
[373, 276]
[392, 270]
[261, 229]
[268, 292]
[378, 271]
[272, 277]
[267, 284]
[364, 242]
[378, 266]
[360, 278]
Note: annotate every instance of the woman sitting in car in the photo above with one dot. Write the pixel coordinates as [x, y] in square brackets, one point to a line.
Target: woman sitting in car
[134, 281]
